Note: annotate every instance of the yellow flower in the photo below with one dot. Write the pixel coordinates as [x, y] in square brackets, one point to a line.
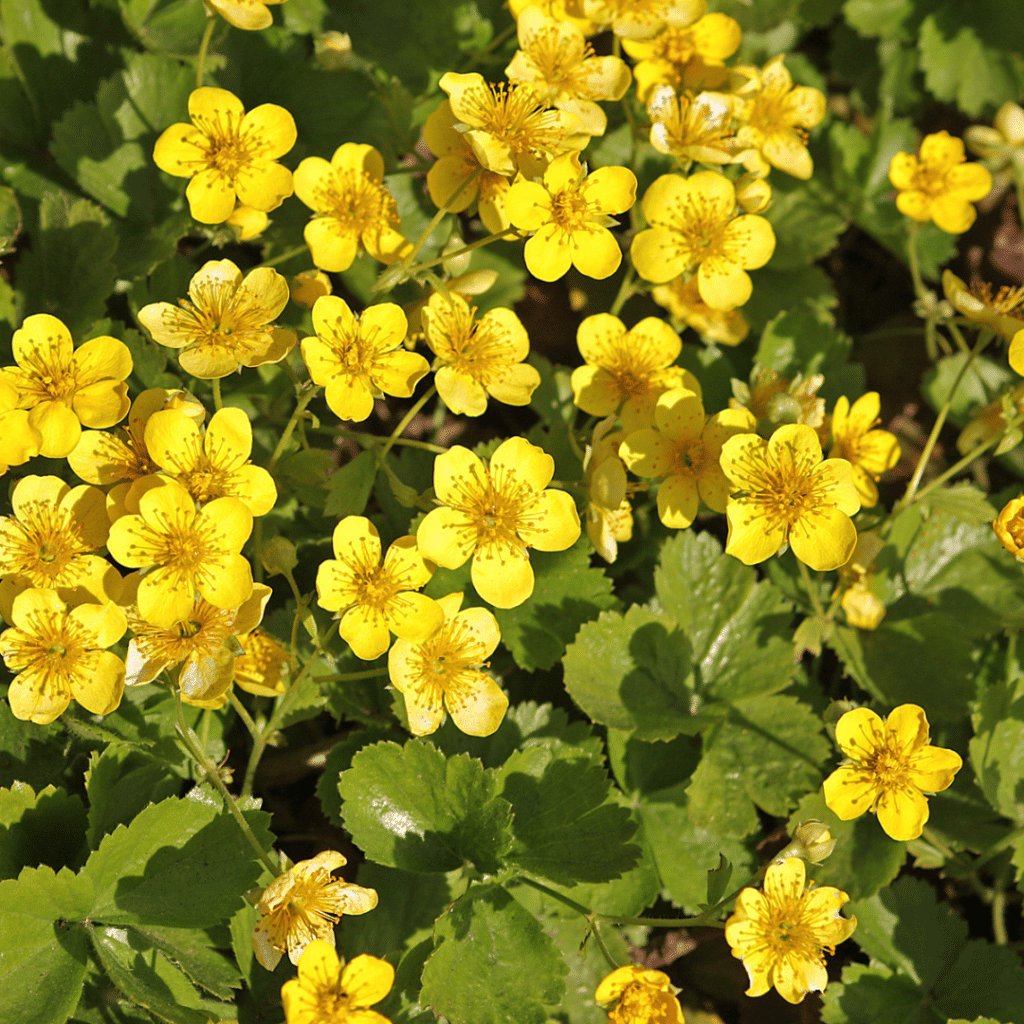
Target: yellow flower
[60, 654]
[938, 185]
[695, 225]
[212, 466]
[557, 61]
[50, 542]
[186, 551]
[782, 932]
[456, 163]
[609, 516]
[568, 214]
[991, 421]
[307, 288]
[64, 388]
[302, 906]
[21, 439]
[509, 127]
[250, 223]
[776, 118]
[676, 56]
[326, 993]
[626, 371]
[200, 647]
[560, 10]
[228, 154]
[496, 514]
[245, 14]
[636, 995]
[682, 450]
[870, 452]
[977, 303]
[351, 204]
[477, 358]
[784, 492]
[1009, 527]
[225, 322]
[446, 673]
[643, 19]
[863, 608]
[684, 304]
[375, 600]
[261, 669]
[692, 129]
[889, 767]
[359, 359]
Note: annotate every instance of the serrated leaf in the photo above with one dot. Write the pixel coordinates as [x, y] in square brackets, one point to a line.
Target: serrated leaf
[39, 828]
[718, 880]
[180, 863]
[997, 748]
[567, 592]
[409, 807]
[963, 502]
[10, 220]
[492, 963]
[806, 225]
[349, 488]
[173, 26]
[191, 951]
[874, 995]
[768, 751]
[567, 828]
[304, 474]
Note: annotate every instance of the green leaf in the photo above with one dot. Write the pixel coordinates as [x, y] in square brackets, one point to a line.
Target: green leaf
[718, 880]
[173, 26]
[305, 474]
[408, 807]
[874, 995]
[42, 955]
[567, 828]
[739, 629]
[997, 748]
[981, 382]
[180, 863]
[961, 501]
[806, 225]
[767, 752]
[145, 977]
[567, 592]
[349, 488]
[10, 220]
[120, 782]
[338, 760]
[492, 963]
[878, 17]
[865, 858]
[190, 951]
[69, 270]
[39, 828]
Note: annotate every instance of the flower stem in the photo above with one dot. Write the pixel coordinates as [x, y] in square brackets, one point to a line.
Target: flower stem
[289, 429]
[475, 59]
[479, 243]
[210, 772]
[406, 420]
[285, 256]
[596, 932]
[242, 713]
[625, 291]
[812, 591]
[370, 439]
[217, 402]
[204, 45]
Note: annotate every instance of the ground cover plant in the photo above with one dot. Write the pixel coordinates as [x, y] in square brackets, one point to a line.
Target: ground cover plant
[513, 511]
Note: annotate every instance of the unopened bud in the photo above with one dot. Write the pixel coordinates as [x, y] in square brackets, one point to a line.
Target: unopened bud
[334, 50]
[310, 286]
[753, 194]
[187, 403]
[812, 842]
[279, 556]
[784, 408]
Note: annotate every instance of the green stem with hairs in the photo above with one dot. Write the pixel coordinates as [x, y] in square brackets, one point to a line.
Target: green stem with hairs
[625, 292]
[812, 592]
[289, 429]
[406, 420]
[204, 46]
[479, 243]
[218, 404]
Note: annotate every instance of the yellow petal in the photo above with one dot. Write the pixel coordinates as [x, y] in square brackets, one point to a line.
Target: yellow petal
[595, 252]
[211, 196]
[263, 185]
[332, 244]
[367, 980]
[850, 791]
[447, 537]
[902, 813]
[557, 523]
[517, 459]
[528, 205]
[480, 710]
[270, 129]
[548, 255]
[502, 575]
[365, 630]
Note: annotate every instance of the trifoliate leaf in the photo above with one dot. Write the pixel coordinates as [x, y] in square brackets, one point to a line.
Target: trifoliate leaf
[409, 807]
[567, 827]
[492, 963]
[180, 863]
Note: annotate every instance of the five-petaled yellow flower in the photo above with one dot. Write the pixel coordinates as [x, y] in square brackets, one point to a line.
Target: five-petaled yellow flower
[626, 371]
[226, 322]
[185, 551]
[683, 449]
[251, 15]
[870, 452]
[372, 599]
[214, 465]
[60, 654]
[200, 648]
[684, 304]
[496, 514]
[560, 10]
[937, 185]
[556, 60]
[698, 128]
[694, 224]
[477, 358]
[889, 767]
[228, 153]
[302, 906]
[50, 542]
[636, 995]
[351, 205]
[782, 932]
[360, 358]
[510, 128]
[65, 388]
[568, 213]
[776, 120]
[327, 993]
[783, 491]
[446, 673]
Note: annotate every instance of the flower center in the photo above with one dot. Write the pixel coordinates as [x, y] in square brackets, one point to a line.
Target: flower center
[225, 147]
[356, 201]
[569, 210]
[690, 458]
[44, 546]
[768, 111]
[889, 768]
[1006, 300]
[225, 314]
[517, 115]
[482, 351]
[557, 66]
[676, 45]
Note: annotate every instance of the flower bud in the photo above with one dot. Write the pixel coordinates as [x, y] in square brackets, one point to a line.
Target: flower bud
[279, 556]
[310, 286]
[334, 50]
[812, 842]
[754, 195]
